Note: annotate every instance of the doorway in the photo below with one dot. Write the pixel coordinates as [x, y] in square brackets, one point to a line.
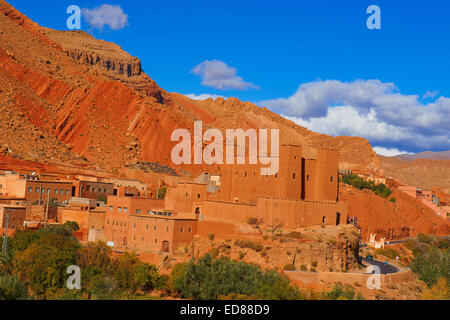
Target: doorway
[165, 247]
[338, 218]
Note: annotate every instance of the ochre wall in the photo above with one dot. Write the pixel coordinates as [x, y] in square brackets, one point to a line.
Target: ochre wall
[289, 212]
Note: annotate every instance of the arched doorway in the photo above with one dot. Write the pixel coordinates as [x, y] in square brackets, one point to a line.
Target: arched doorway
[165, 247]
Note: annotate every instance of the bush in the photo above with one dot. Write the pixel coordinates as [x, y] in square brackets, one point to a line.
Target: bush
[303, 267]
[249, 244]
[12, 288]
[210, 278]
[289, 267]
[388, 252]
[431, 265]
[340, 292]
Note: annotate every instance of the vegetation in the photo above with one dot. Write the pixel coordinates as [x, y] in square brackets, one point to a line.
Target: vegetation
[431, 264]
[340, 292]
[162, 193]
[37, 262]
[249, 244]
[388, 252]
[210, 278]
[358, 182]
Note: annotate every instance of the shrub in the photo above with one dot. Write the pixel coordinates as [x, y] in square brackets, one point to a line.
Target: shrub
[388, 252]
[210, 278]
[289, 267]
[249, 244]
[12, 288]
[303, 267]
[432, 265]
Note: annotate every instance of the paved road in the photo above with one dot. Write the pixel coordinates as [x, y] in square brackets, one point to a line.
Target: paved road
[383, 268]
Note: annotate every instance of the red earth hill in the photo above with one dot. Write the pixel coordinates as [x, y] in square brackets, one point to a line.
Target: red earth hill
[68, 98]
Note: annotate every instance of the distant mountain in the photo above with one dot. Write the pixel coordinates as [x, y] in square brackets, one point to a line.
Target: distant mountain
[443, 155]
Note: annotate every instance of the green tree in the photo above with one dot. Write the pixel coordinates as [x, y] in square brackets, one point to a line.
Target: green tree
[12, 288]
[210, 278]
[431, 265]
[43, 264]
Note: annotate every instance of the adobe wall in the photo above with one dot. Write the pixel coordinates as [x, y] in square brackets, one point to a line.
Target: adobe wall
[39, 191]
[221, 230]
[118, 214]
[299, 177]
[182, 197]
[16, 217]
[291, 213]
[74, 215]
[148, 233]
[348, 278]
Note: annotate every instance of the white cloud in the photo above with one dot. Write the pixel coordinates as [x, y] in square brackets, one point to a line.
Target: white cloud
[203, 96]
[105, 15]
[217, 74]
[388, 152]
[430, 94]
[370, 109]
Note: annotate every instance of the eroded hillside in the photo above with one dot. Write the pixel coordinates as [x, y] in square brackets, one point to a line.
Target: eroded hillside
[67, 97]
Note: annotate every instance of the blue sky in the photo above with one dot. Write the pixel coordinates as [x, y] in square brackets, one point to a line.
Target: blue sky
[315, 62]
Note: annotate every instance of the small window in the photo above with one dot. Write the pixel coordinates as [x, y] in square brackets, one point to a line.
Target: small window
[138, 211]
[61, 192]
[134, 225]
[88, 188]
[198, 195]
[119, 209]
[93, 189]
[67, 192]
[125, 210]
[30, 189]
[154, 227]
[190, 230]
[182, 229]
[245, 174]
[110, 208]
[294, 176]
[307, 177]
[156, 240]
[37, 190]
[331, 179]
[167, 229]
[56, 191]
[48, 190]
[146, 226]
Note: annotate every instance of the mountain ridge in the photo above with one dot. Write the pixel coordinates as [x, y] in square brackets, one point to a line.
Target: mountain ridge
[92, 103]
